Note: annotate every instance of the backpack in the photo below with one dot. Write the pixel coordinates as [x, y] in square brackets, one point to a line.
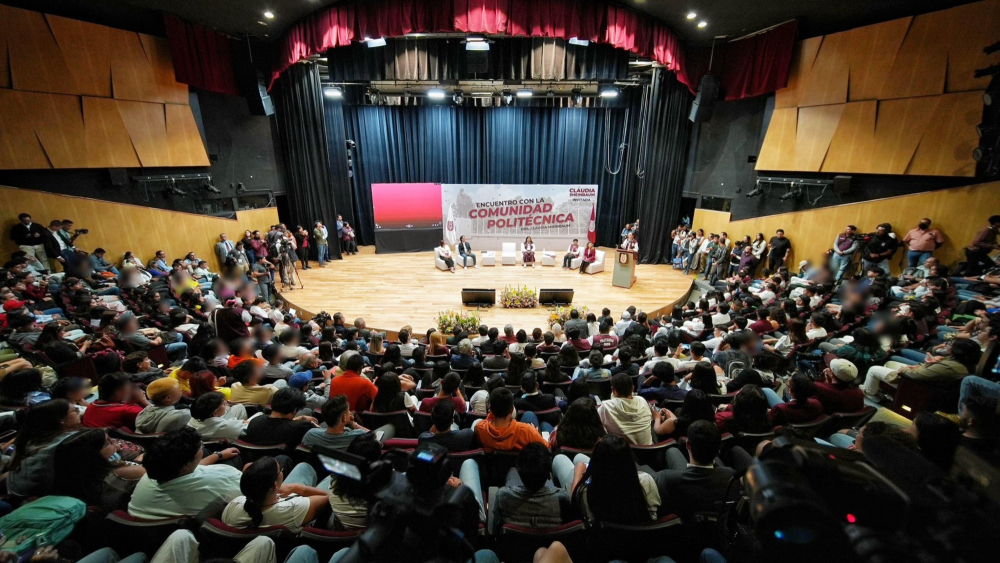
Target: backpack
[46, 521]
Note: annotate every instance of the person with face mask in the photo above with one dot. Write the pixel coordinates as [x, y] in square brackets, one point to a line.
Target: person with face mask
[880, 248]
[921, 242]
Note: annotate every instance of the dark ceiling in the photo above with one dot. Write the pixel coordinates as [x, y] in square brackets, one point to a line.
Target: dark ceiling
[731, 18]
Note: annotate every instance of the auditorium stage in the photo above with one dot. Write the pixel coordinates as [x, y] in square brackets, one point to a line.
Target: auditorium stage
[393, 290]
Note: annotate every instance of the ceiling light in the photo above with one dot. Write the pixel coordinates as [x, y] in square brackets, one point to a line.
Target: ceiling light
[609, 92]
[692, 15]
[262, 22]
[578, 41]
[457, 97]
[577, 97]
[474, 38]
[481, 94]
[435, 94]
[380, 42]
[269, 14]
[524, 93]
[333, 92]
[477, 46]
[702, 24]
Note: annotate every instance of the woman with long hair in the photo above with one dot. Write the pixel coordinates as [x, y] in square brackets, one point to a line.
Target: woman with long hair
[517, 367]
[580, 427]
[593, 327]
[205, 382]
[697, 406]
[796, 336]
[553, 371]
[528, 252]
[22, 388]
[269, 500]
[475, 376]
[703, 378]
[390, 397]
[607, 487]
[568, 356]
[393, 355]
[747, 413]
[43, 428]
[438, 344]
[83, 470]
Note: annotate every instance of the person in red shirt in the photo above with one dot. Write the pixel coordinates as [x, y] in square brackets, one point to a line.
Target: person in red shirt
[761, 326]
[838, 392]
[359, 390]
[573, 339]
[501, 431]
[802, 408]
[118, 403]
[450, 391]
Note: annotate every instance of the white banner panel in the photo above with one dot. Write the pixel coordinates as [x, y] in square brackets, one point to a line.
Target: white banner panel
[491, 214]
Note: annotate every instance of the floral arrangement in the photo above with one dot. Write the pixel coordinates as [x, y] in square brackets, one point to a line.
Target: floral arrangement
[560, 314]
[468, 321]
[514, 297]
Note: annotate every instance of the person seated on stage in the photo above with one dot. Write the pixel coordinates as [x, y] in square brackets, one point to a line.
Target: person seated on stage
[443, 253]
[528, 253]
[572, 253]
[465, 252]
[589, 257]
[630, 243]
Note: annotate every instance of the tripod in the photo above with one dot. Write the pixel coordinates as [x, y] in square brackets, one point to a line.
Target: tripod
[289, 273]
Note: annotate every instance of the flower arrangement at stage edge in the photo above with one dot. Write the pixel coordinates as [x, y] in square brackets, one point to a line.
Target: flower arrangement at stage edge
[514, 297]
[467, 321]
[560, 314]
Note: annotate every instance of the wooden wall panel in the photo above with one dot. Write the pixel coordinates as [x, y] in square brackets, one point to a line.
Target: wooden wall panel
[872, 52]
[147, 127]
[183, 139]
[802, 60]
[119, 227]
[949, 138]
[36, 63]
[827, 79]
[158, 52]
[816, 126]
[86, 48]
[959, 213]
[901, 125]
[853, 143]
[778, 150]
[921, 64]
[107, 139]
[4, 65]
[58, 122]
[972, 27]
[132, 76]
[19, 147]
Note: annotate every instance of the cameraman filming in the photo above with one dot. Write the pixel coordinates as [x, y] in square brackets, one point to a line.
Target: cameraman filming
[69, 235]
[880, 248]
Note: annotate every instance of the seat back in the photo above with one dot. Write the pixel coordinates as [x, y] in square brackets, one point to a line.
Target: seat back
[637, 542]
[913, 396]
[498, 464]
[552, 416]
[422, 422]
[328, 542]
[252, 452]
[469, 418]
[550, 388]
[425, 393]
[219, 540]
[843, 420]
[654, 455]
[749, 440]
[600, 387]
[599, 257]
[508, 248]
[454, 460]
[144, 440]
[158, 355]
[813, 427]
[82, 367]
[128, 534]
[399, 420]
[519, 544]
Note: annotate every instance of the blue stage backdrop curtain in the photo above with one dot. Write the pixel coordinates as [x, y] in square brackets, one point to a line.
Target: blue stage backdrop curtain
[304, 143]
[535, 145]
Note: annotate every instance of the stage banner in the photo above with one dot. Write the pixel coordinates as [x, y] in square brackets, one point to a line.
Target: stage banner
[489, 215]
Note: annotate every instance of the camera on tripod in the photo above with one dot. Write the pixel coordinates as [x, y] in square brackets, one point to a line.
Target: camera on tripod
[414, 516]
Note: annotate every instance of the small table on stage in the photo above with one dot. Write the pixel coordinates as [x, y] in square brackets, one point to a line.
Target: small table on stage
[624, 272]
[488, 258]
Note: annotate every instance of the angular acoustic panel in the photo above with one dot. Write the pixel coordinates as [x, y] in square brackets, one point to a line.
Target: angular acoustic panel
[920, 65]
[802, 61]
[898, 130]
[107, 139]
[158, 52]
[86, 48]
[778, 150]
[853, 144]
[184, 143]
[132, 75]
[816, 126]
[4, 59]
[872, 51]
[147, 127]
[949, 138]
[36, 63]
[58, 123]
[828, 78]
[972, 27]
[19, 146]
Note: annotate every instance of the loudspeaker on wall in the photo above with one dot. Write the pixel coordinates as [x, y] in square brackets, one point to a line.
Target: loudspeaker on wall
[704, 101]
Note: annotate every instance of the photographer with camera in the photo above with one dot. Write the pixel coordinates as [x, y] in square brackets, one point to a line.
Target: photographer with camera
[844, 247]
[880, 248]
[69, 235]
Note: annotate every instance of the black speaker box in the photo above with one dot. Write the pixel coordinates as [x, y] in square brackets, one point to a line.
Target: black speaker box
[841, 185]
[119, 176]
[704, 101]
[250, 83]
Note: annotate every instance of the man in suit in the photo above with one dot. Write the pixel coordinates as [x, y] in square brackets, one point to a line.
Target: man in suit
[223, 248]
[501, 358]
[697, 483]
[465, 252]
[576, 322]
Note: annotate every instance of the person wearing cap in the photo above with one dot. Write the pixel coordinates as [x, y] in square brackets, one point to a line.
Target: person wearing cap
[162, 415]
[837, 391]
[622, 325]
[301, 381]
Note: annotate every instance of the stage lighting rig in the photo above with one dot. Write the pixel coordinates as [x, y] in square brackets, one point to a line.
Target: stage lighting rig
[792, 193]
[240, 188]
[210, 187]
[756, 191]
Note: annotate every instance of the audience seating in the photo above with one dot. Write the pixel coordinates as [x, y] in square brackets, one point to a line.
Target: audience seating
[595, 267]
[749, 440]
[636, 543]
[550, 388]
[328, 542]
[223, 541]
[454, 460]
[600, 387]
[843, 420]
[250, 452]
[422, 422]
[653, 455]
[82, 367]
[134, 535]
[144, 440]
[518, 544]
[158, 356]
[399, 419]
[912, 396]
[814, 427]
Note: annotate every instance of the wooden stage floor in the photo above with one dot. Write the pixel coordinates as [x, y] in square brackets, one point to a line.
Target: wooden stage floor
[393, 290]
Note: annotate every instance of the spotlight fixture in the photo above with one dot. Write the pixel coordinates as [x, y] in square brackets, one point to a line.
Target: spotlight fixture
[702, 24]
[524, 93]
[269, 14]
[756, 191]
[240, 188]
[457, 97]
[984, 130]
[333, 92]
[992, 93]
[210, 187]
[579, 42]
[691, 15]
[577, 97]
[435, 94]
[507, 97]
[476, 43]
[791, 194]
[609, 92]
[379, 42]
[373, 96]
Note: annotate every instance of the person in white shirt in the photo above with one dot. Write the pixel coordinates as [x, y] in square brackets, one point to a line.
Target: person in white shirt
[661, 353]
[722, 317]
[768, 294]
[271, 499]
[572, 253]
[443, 253]
[406, 346]
[815, 328]
[483, 336]
[622, 325]
[630, 243]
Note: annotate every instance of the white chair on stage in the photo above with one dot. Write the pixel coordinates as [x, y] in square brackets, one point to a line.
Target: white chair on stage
[548, 258]
[508, 254]
[441, 264]
[595, 267]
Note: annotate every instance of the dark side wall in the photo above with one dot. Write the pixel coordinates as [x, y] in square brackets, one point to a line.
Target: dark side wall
[720, 166]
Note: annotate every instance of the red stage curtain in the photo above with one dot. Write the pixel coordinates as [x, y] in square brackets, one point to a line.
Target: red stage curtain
[593, 20]
[749, 67]
[202, 57]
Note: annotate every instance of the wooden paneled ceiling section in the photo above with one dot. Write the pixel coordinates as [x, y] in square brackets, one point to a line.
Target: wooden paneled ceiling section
[897, 97]
[79, 95]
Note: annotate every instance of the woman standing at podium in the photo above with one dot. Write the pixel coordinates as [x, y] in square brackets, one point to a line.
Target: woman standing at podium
[630, 243]
[589, 257]
[528, 253]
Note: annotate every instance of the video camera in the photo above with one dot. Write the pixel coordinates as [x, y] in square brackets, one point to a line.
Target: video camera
[79, 232]
[414, 516]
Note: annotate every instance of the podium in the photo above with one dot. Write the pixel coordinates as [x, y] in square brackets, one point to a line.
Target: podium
[624, 272]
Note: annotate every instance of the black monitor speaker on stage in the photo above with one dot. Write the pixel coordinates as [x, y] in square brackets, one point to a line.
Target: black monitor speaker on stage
[479, 297]
[555, 296]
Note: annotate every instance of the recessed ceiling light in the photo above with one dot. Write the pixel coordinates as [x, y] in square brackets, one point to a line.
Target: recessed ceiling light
[269, 14]
[692, 15]
[702, 24]
[262, 22]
